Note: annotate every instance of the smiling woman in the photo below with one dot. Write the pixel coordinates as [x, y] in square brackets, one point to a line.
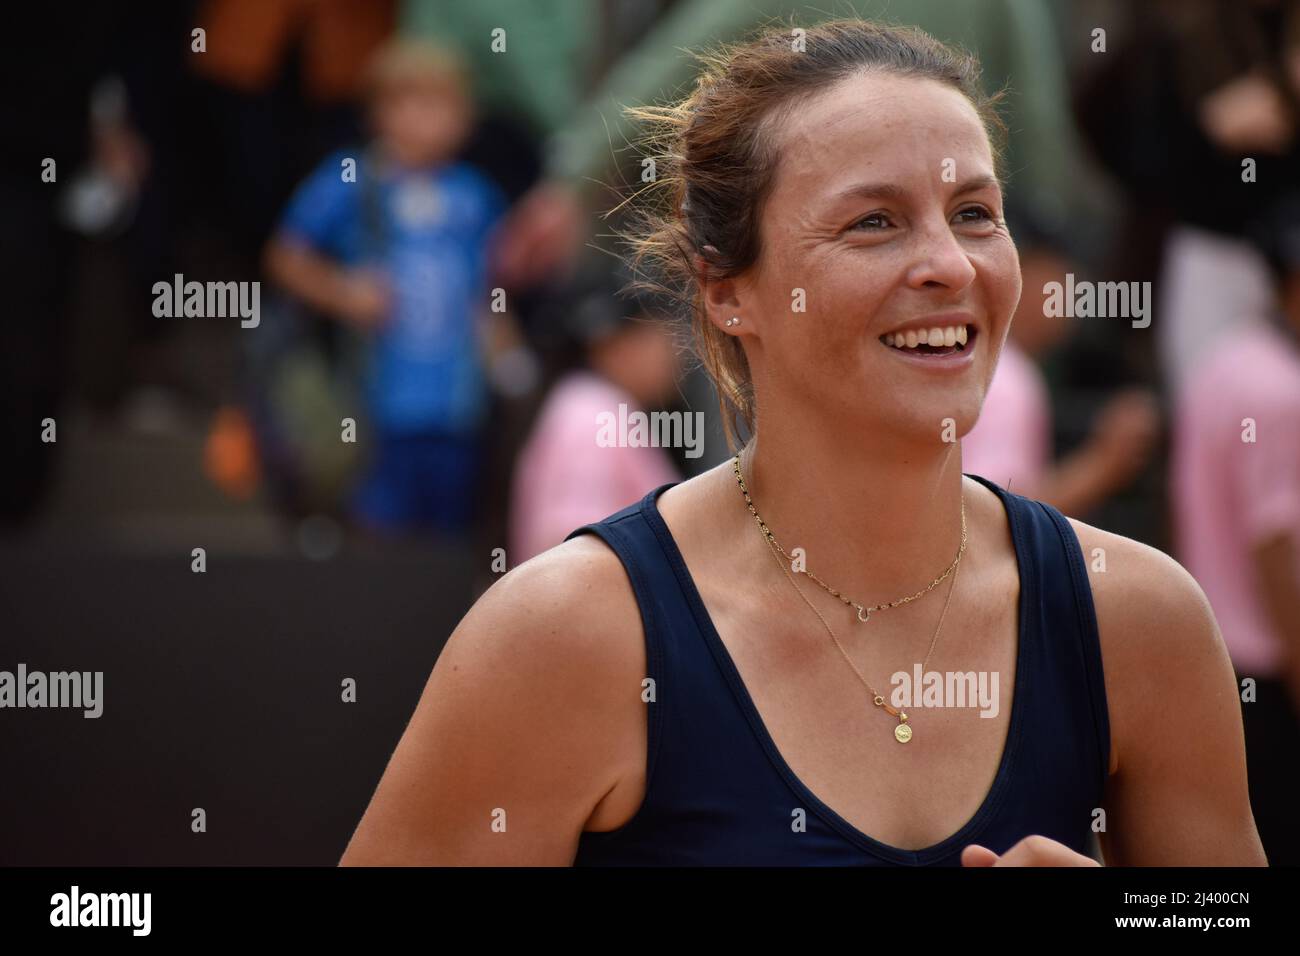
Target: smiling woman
[813, 92]
[654, 691]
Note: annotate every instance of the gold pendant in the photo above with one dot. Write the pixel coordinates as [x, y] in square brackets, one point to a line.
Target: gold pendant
[864, 614]
[902, 732]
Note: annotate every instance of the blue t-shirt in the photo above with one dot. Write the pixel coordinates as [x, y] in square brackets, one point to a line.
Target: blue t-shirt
[427, 230]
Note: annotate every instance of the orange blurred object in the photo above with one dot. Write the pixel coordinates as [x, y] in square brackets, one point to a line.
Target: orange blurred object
[230, 454]
[248, 42]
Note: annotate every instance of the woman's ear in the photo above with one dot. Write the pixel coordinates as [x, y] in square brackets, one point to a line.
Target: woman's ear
[719, 295]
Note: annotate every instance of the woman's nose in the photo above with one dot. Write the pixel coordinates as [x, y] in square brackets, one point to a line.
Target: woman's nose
[940, 260]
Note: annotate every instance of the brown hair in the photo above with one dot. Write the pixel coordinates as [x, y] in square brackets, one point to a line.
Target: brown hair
[715, 163]
[405, 61]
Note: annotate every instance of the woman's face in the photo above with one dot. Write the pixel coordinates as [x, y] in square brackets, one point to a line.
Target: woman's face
[884, 217]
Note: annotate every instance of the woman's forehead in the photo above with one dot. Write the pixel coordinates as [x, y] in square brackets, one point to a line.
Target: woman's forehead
[879, 124]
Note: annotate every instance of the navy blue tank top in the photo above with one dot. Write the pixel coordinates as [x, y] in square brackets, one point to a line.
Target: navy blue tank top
[718, 792]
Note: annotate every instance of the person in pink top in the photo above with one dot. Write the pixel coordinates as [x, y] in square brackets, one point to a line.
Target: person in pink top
[1236, 499]
[1011, 442]
[564, 477]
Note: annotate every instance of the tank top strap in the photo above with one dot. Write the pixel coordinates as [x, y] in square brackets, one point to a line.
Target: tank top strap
[1067, 655]
[632, 538]
[630, 534]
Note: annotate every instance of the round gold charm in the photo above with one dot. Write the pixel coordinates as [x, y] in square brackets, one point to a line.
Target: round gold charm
[903, 733]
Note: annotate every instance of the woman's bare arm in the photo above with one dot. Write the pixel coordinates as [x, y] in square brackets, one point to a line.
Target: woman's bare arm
[523, 726]
[1177, 793]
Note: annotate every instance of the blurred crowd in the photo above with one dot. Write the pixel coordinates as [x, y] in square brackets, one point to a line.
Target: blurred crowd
[421, 187]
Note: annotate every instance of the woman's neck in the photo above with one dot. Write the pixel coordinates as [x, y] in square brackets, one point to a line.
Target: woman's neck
[877, 519]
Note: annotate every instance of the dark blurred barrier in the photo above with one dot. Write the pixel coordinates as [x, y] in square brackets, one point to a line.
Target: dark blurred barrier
[221, 690]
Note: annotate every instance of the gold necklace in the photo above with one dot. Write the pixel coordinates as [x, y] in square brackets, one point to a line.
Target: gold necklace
[864, 613]
[903, 731]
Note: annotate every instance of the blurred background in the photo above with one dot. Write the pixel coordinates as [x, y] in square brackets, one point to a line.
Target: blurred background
[377, 167]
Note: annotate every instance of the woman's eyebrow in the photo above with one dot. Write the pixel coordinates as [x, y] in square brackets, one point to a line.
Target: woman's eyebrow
[895, 191]
[976, 183]
[870, 191]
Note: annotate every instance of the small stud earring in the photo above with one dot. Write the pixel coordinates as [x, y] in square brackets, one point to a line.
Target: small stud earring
[734, 320]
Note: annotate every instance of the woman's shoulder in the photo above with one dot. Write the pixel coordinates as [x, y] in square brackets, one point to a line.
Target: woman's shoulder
[569, 610]
[1162, 653]
[582, 582]
[533, 705]
[1141, 590]
[1134, 585]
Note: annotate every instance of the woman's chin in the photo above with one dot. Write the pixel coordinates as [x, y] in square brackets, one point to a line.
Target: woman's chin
[937, 423]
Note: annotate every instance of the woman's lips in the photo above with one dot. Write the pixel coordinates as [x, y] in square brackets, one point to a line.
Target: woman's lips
[946, 357]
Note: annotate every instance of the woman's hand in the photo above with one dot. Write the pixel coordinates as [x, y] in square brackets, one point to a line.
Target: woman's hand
[1031, 851]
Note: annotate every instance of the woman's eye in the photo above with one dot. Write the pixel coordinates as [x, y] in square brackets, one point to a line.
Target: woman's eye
[980, 214]
[877, 220]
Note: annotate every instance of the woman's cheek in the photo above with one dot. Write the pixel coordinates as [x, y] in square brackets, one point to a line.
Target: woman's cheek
[1003, 281]
[1015, 289]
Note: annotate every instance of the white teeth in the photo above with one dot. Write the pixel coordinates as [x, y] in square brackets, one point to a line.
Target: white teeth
[938, 337]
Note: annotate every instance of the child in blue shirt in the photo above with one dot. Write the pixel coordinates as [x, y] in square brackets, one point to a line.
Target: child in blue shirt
[394, 242]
